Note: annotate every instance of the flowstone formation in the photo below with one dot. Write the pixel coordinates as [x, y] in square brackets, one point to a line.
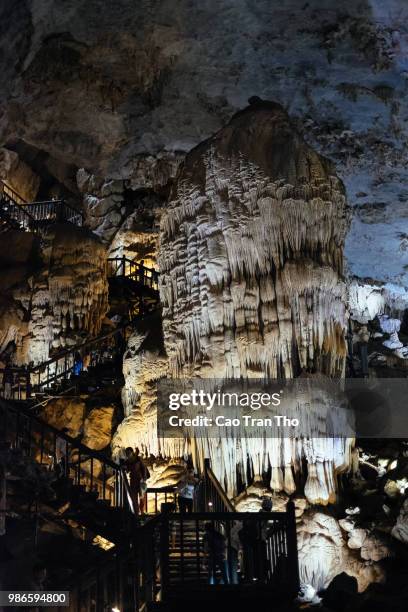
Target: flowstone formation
[53, 295]
[251, 258]
[251, 255]
[250, 261]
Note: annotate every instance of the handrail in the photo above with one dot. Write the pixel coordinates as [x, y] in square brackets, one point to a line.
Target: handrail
[266, 542]
[219, 517]
[59, 366]
[127, 488]
[214, 494]
[48, 445]
[73, 441]
[16, 210]
[41, 210]
[134, 263]
[153, 563]
[28, 375]
[79, 347]
[123, 267]
[160, 495]
[13, 193]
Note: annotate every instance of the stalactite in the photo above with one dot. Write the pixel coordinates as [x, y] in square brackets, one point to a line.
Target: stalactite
[250, 259]
[67, 298]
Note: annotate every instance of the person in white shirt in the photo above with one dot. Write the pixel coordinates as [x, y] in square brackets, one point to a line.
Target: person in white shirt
[186, 489]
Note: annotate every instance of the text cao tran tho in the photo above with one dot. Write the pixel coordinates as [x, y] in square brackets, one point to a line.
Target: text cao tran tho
[218, 401]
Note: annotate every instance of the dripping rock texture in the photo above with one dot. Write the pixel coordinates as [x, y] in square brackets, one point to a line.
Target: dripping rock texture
[251, 255]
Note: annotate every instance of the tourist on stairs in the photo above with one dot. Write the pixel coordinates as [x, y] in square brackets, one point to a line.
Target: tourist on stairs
[8, 381]
[138, 477]
[216, 548]
[185, 490]
[78, 364]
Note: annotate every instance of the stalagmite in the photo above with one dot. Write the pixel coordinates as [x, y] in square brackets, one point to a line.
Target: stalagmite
[391, 326]
[250, 259]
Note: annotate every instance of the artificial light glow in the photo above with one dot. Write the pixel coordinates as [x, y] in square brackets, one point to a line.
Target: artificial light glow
[102, 542]
[115, 609]
[402, 485]
[210, 504]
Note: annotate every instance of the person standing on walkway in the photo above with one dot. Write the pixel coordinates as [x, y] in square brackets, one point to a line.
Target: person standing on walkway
[216, 548]
[186, 490]
[78, 363]
[8, 381]
[138, 477]
[141, 271]
[61, 459]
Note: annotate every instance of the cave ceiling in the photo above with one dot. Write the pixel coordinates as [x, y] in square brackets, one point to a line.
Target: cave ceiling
[117, 87]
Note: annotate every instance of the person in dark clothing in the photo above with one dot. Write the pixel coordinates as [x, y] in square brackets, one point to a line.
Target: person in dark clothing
[61, 458]
[263, 565]
[141, 271]
[78, 364]
[216, 548]
[249, 540]
[138, 477]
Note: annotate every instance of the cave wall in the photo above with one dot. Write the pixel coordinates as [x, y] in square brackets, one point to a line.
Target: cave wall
[55, 299]
[126, 93]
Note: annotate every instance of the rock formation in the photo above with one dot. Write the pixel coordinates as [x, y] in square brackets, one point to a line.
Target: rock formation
[251, 284]
[125, 219]
[323, 554]
[143, 365]
[56, 300]
[94, 424]
[67, 96]
[251, 255]
[18, 175]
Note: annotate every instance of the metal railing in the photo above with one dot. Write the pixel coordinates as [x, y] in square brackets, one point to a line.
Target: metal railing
[11, 194]
[35, 216]
[230, 548]
[55, 211]
[126, 578]
[209, 496]
[124, 267]
[173, 552]
[25, 383]
[156, 496]
[57, 451]
[215, 498]
[15, 215]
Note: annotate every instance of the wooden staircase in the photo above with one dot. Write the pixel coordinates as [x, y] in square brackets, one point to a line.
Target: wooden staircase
[187, 559]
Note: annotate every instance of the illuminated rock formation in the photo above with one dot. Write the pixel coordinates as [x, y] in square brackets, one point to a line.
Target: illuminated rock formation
[61, 300]
[18, 175]
[400, 529]
[94, 424]
[251, 255]
[323, 553]
[250, 263]
[143, 366]
[369, 300]
[103, 204]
